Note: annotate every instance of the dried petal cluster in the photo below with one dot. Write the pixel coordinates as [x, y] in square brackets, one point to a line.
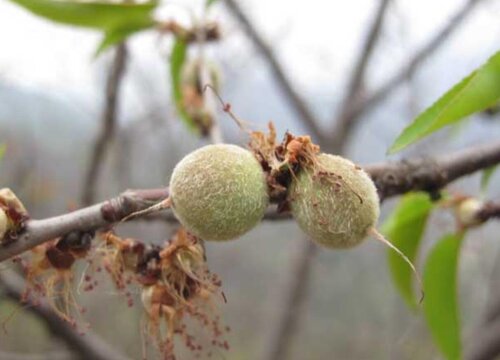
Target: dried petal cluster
[175, 284]
[49, 273]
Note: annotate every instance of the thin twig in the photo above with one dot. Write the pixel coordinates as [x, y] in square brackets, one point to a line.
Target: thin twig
[390, 178]
[292, 96]
[287, 325]
[412, 65]
[485, 343]
[107, 133]
[344, 122]
[88, 346]
[485, 340]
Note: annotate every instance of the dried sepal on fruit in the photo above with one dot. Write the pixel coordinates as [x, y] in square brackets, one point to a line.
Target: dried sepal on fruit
[15, 213]
[49, 273]
[281, 161]
[183, 287]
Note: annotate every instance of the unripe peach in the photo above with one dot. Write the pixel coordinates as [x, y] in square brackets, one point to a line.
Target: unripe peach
[218, 192]
[336, 204]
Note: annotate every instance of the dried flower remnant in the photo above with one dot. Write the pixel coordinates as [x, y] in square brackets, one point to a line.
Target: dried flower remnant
[120, 258]
[14, 215]
[49, 273]
[209, 31]
[184, 288]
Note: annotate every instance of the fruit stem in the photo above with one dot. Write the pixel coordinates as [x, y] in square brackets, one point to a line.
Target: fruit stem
[226, 107]
[164, 204]
[378, 236]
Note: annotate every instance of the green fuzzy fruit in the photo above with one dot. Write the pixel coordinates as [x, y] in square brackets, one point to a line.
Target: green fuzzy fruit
[219, 192]
[336, 210]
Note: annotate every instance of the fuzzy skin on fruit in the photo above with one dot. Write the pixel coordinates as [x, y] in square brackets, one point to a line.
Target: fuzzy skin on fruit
[329, 209]
[219, 192]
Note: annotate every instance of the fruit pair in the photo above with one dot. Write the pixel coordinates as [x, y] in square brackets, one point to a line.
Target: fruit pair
[219, 192]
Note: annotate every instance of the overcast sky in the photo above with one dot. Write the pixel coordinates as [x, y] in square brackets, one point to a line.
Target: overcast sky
[311, 35]
[315, 40]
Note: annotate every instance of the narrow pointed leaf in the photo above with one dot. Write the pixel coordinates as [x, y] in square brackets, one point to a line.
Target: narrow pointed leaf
[100, 15]
[177, 60]
[441, 307]
[405, 228]
[477, 92]
[111, 39]
[486, 177]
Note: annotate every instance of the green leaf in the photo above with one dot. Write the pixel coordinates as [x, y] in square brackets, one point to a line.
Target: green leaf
[111, 39]
[177, 59]
[441, 308]
[100, 15]
[486, 177]
[476, 92]
[405, 228]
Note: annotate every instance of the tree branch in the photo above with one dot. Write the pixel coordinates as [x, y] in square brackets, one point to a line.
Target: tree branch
[490, 210]
[345, 122]
[294, 99]
[390, 178]
[411, 66]
[288, 323]
[87, 219]
[88, 346]
[486, 343]
[429, 174]
[113, 83]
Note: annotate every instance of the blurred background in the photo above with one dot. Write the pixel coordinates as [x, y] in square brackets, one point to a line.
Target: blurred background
[51, 100]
